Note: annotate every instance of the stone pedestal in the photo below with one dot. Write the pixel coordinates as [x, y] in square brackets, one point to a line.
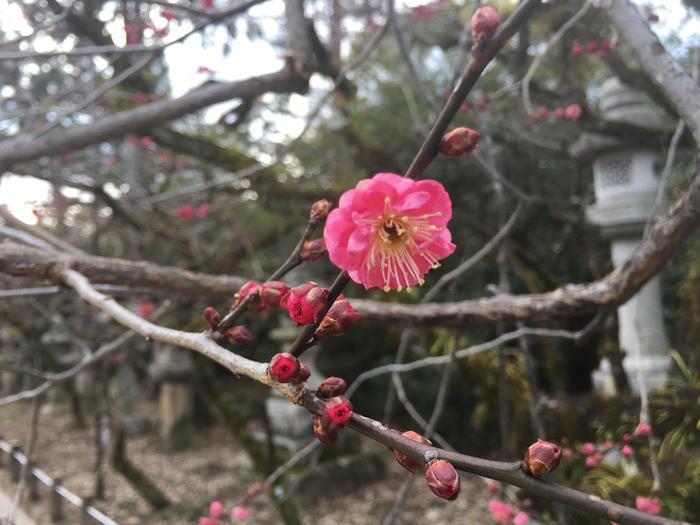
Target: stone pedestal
[172, 368]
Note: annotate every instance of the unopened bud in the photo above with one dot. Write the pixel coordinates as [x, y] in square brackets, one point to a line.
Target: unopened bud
[339, 410]
[283, 367]
[541, 458]
[340, 317]
[320, 209]
[305, 302]
[249, 288]
[212, 317]
[239, 335]
[332, 387]
[312, 250]
[325, 430]
[484, 23]
[459, 141]
[407, 462]
[443, 480]
[304, 373]
[255, 489]
[271, 293]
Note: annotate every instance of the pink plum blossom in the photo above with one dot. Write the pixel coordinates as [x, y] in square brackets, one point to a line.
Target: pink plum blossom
[643, 429]
[626, 451]
[216, 509]
[648, 505]
[186, 211]
[588, 448]
[521, 518]
[389, 231]
[502, 513]
[240, 513]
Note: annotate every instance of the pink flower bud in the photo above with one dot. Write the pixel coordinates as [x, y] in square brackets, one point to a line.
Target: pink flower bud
[484, 23]
[407, 462]
[325, 430]
[146, 308]
[203, 211]
[312, 250]
[443, 480]
[588, 449]
[304, 373]
[320, 209]
[305, 302]
[594, 460]
[212, 317]
[459, 141]
[502, 513]
[643, 429]
[239, 335]
[272, 292]
[573, 112]
[283, 367]
[627, 451]
[541, 458]
[216, 509]
[576, 48]
[521, 518]
[186, 211]
[338, 320]
[339, 410]
[648, 505]
[332, 387]
[249, 288]
[240, 513]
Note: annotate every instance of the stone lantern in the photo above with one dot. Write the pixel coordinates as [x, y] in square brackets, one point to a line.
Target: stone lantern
[626, 181]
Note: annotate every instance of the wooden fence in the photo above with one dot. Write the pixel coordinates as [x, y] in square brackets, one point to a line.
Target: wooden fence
[58, 494]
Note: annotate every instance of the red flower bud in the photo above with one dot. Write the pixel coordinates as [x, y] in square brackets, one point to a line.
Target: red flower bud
[305, 302]
[653, 17]
[339, 410]
[212, 317]
[283, 367]
[576, 48]
[541, 458]
[332, 387]
[312, 250]
[459, 141]
[239, 335]
[249, 288]
[320, 209]
[443, 480]
[338, 320]
[407, 462]
[271, 293]
[304, 373]
[325, 430]
[485, 22]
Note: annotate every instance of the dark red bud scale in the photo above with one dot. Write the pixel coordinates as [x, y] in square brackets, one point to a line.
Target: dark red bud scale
[443, 480]
[325, 430]
[407, 462]
[212, 317]
[459, 142]
[304, 373]
[320, 209]
[239, 335]
[541, 458]
[332, 387]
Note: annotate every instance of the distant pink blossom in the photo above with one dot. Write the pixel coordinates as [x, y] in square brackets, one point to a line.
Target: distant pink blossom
[240, 513]
[502, 513]
[207, 4]
[186, 211]
[573, 112]
[203, 211]
[521, 518]
[389, 231]
[594, 460]
[588, 448]
[627, 451]
[643, 429]
[145, 308]
[205, 69]
[206, 520]
[648, 505]
[147, 142]
[216, 509]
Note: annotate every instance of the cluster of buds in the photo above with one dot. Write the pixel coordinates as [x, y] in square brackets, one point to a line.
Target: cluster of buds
[459, 141]
[484, 24]
[541, 458]
[600, 48]
[572, 112]
[188, 211]
[337, 410]
[594, 454]
[215, 514]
